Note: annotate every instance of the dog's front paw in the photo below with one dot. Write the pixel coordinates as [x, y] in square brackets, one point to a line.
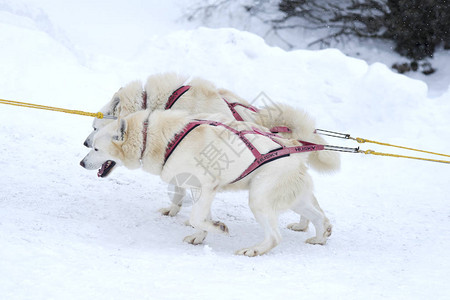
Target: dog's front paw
[316, 241]
[170, 211]
[254, 251]
[196, 238]
[250, 252]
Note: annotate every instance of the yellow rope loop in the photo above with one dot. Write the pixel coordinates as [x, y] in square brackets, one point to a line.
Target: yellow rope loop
[360, 140]
[367, 151]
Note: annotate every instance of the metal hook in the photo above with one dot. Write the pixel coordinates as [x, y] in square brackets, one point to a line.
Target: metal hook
[341, 149]
[332, 134]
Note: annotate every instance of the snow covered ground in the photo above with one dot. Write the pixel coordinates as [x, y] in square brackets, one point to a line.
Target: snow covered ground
[66, 234]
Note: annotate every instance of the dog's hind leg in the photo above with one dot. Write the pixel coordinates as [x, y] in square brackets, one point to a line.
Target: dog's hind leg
[304, 222]
[200, 218]
[267, 217]
[309, 208]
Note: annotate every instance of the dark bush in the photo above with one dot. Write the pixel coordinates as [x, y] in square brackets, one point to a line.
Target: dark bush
[416, 27]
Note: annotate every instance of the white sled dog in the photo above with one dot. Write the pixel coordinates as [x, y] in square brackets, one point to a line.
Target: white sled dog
[167, 143]
[201, 96]
[170, 90]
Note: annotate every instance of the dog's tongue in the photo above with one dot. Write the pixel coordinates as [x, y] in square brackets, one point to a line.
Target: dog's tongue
[106, 168]
[102, 170]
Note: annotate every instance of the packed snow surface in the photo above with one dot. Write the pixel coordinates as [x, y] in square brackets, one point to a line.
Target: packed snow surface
[66, 234]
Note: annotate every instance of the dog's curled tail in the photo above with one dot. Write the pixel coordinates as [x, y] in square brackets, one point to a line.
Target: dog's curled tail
[302, 127]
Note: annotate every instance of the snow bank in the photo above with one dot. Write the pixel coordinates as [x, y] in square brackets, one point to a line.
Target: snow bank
[66, 234]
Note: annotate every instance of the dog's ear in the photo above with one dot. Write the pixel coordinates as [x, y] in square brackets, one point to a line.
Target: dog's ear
[121, 132]
[115, 105]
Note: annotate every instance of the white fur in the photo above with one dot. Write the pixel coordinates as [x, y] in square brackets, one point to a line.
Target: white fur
[274, 187]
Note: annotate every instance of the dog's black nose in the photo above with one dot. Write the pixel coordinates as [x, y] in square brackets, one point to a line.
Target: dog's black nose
[86, 144]
[82, 164]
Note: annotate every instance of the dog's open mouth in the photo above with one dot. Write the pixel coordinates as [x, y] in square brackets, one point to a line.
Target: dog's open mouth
[106, 168]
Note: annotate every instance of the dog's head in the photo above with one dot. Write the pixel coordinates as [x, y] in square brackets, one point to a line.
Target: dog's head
[110, 109]
[107, 148]
[126, 100]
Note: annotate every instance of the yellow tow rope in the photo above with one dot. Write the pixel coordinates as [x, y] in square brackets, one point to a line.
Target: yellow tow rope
[372, 152]
[98, 115]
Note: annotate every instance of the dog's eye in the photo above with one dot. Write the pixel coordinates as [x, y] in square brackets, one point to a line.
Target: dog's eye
[95, 149]
[95, 129]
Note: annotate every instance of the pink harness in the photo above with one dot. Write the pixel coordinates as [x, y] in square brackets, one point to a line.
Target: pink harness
[236, 115]
[144, 100]
[183, 89]
[260, 159]
[176, 95]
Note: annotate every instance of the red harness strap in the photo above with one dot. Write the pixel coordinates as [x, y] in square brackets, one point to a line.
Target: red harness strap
[144, 134]
[144, 100]
[260, 159]
[192, 125]
[277, 129]
[183, 89]
[236, 115]
[176, 95]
